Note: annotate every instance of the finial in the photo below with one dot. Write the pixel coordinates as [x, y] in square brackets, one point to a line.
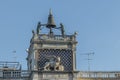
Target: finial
[33, 32]
[50, 11]
[75, 33]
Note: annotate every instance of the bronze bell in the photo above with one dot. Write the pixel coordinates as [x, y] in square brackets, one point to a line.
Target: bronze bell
[51, 23]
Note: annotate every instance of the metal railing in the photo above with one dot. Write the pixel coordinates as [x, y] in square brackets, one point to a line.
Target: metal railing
[14, 74]
[5, 65]
[99, 74]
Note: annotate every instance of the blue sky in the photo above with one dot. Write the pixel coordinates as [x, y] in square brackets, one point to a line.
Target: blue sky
[96, 21]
